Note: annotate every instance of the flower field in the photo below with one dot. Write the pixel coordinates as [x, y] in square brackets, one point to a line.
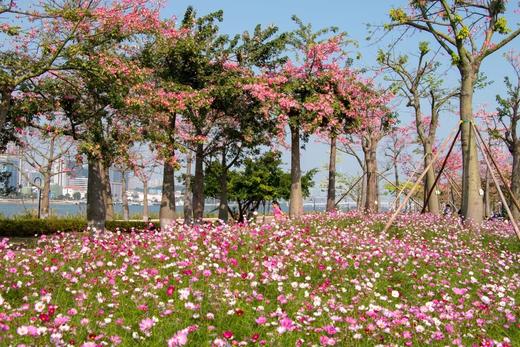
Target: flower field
[328, 280]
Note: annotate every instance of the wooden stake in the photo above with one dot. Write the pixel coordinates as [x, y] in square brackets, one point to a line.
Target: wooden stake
[488, 151]
[409, 180]
[410, 193]
[497, 184]
[425, 205]
[396, 187]
[348, 191]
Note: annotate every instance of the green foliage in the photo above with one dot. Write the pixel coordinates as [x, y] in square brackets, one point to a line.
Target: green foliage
[455, 59]
[424, 47]
[29, 227]
[463, 33]
[398, 15]
[260, 180]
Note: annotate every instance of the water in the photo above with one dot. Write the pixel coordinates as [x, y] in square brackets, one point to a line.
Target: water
[62, 209]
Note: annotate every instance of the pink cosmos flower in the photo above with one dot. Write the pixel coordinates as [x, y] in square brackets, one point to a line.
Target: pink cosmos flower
[286, 324]
[460, 291]
[327, 341]
[261, 320]
[228, 334]
[179, 339]
[116, 340]
[330, 329]
[218, 342]
[282, 299]
[146, 324]
[32, 331]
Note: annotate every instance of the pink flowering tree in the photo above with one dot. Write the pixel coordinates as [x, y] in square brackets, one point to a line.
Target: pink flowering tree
[42, 38]
[215, 116]
[372, 106]
[90, 95]
[300, 96]
[469, 32]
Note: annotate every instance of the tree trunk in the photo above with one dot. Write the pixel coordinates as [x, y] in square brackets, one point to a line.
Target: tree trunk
[371, 205]
[109, 203]
[47, 174]
[296, 197]
[145, 200]
[96, 208]
[472, 206]
[429, 180]
[515, 181]
[223, 196]
[362, 191]
[124, 197]
[46, 193]
[487, 202]
[331, 191]
[397, 183]
[188, 210]
[167, 211]
[198, 185]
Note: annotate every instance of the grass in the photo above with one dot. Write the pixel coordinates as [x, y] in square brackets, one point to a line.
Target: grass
[337, 278]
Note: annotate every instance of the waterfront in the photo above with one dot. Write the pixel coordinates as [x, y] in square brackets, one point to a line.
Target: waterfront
[10, 208]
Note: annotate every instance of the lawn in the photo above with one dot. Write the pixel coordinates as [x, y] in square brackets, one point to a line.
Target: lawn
[327, 280]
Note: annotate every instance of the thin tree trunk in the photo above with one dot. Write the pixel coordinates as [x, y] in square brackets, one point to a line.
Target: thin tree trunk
[515, 181]
[167, 213]
[371, 205]
[107, 196]
[362, 191]
[145, 200]
[198, 185]
[296, 196]
[46, 192]
[429, 180]
[96, 208]
[487, 202]
[472, 206]
[331, 191]
[188, 210]
[124, 196]
[397, 183]
[223, 196]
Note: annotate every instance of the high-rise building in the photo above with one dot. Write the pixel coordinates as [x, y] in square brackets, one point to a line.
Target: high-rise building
[60, 172]
[11, 164]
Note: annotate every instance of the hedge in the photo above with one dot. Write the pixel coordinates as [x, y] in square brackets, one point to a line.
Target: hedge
[32, 227]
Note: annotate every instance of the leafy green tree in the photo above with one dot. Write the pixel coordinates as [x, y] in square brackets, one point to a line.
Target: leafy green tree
[260, 180]
[205, 69]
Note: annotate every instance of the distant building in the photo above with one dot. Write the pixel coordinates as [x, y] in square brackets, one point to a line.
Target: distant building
[11, 164]
[76, 184]
[61, 173]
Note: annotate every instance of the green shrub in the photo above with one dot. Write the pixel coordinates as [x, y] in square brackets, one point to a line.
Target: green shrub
[29, 227]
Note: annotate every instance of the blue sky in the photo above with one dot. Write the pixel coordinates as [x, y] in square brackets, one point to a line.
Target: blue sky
[351, 16]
